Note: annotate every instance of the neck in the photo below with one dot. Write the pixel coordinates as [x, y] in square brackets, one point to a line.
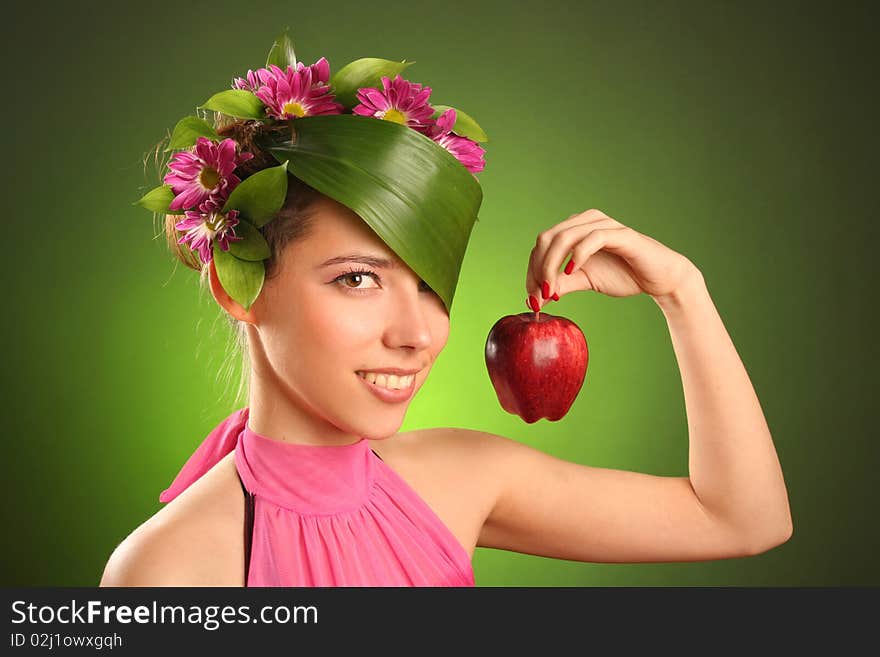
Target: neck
[277, 412]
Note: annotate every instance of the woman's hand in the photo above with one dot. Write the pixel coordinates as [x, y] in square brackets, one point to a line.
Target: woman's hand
[606, 256]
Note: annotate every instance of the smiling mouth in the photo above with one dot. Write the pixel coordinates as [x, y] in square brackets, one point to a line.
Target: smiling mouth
[388, 381]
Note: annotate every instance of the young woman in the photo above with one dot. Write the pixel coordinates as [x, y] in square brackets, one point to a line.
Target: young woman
[312, 483]
[341, 304]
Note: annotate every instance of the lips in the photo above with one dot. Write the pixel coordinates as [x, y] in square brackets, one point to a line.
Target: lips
[387, 394]
[393, 370]
[390, 381]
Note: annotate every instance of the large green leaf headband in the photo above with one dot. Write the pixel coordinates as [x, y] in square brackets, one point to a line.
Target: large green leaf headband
[410, 176]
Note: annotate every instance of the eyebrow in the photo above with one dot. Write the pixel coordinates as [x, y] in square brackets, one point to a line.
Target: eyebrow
[363, 258]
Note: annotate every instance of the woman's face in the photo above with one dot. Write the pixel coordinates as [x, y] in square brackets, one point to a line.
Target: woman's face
[342, 303]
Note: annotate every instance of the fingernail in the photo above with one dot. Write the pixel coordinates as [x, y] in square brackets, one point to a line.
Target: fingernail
[545, 290]
[533, 302]
[555, 297]
[569, 266]
[528, 303]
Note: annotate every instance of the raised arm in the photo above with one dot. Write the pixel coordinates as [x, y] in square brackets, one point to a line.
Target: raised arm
[734, 502]
[733, 466]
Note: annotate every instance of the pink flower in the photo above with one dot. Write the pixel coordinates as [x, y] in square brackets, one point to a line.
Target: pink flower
[297, 92]
[250, 83]
[468, 152]
[399, 101]
[204, 172]
[206, 224]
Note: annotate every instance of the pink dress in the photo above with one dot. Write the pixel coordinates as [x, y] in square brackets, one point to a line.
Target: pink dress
[329, 515]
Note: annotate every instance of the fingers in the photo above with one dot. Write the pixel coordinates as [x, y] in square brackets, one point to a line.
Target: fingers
[534, 277]
[545, 237]
[542, 274]
[553, 247]
[563, 245]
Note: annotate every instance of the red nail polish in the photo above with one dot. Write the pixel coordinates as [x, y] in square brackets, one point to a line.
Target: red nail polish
[569, 267]
[545, 290]
[533, 302]
[555, 297]
[528, 304]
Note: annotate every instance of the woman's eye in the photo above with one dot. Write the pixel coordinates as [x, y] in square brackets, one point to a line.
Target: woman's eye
[356, 278]
[352, 281]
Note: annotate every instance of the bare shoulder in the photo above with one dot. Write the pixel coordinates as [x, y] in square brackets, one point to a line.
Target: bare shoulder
[194, 540]
[472, 460]
[486, 451]
[464, 447]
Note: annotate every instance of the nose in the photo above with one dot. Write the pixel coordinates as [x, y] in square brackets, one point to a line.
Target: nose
[409, 324]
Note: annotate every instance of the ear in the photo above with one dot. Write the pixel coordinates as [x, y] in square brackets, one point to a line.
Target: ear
[229, 304]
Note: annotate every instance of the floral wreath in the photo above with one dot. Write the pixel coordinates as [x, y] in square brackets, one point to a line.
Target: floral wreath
[221, 213]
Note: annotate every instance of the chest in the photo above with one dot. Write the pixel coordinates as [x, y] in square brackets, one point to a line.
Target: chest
[452, 494]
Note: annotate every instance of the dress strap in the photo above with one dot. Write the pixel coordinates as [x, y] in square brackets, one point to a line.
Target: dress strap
[248, 527]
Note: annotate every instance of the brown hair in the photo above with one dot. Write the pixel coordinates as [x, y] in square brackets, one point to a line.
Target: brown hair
[293, 222]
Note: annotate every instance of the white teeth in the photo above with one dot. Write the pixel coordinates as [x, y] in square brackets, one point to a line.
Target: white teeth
[391, 381]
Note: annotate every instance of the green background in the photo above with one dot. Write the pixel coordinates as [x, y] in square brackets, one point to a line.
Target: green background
[739, 135]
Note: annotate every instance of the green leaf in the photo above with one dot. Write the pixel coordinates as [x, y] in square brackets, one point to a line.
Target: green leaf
[413, 193]
[253, 247]
[241, 279]
[238, 103]
[188, 130]
[260, 196]
[281, 54]
[157, 199]
[464, 124]
[365, 72]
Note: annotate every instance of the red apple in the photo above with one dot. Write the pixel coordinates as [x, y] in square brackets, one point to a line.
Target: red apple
[537, 363]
